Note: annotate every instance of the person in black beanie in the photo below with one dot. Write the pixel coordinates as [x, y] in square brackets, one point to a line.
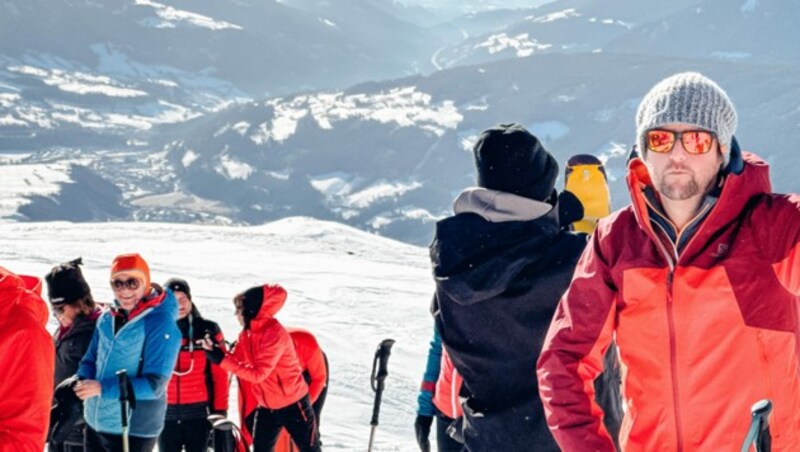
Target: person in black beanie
[73, 306]
[501, 264]
[197, 387]
[265, 357]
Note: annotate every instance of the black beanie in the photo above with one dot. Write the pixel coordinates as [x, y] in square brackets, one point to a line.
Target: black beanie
[179, 285]
[253, 299]
[65, 283]
[509, 159]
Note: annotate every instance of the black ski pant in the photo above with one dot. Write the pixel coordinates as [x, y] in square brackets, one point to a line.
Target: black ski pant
[106, 442]
[445, 443]
[319, 404]
[64, 447]
[298, 419]
[189, 433]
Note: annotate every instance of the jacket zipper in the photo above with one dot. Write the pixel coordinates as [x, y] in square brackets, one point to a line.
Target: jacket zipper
[673, 359]
[98, 371]
[674, 362]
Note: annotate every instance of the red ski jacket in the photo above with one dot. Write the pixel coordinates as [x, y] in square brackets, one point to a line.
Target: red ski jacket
[445, 398]
[195, 380]
[312, 361]
[264, 355]
[702, 335]
[314, 368]
[28, 365]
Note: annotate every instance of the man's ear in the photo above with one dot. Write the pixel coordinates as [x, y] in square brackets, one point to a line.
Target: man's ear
[735, 162]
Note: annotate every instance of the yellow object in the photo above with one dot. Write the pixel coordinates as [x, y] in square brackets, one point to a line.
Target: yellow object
[586, 179]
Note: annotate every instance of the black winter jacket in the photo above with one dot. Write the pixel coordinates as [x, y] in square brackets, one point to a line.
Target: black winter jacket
[69, 351]
[497, 288]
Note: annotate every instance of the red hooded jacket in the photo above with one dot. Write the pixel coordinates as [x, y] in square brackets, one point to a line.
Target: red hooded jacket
[265, 356]
[311, 360]
[702, 335]
[28, 365]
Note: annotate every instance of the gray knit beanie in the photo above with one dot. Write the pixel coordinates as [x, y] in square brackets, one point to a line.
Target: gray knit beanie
[689, 98]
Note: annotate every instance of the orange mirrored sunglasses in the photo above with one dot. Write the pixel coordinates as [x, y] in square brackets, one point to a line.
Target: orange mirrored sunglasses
[694, 141]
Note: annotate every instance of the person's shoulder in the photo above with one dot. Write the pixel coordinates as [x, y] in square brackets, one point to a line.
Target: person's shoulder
[776, 208]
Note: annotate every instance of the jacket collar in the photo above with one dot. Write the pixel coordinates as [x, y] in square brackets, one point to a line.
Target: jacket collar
[736, 192]
[497, 206]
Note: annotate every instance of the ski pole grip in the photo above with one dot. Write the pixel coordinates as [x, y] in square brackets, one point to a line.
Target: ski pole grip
[383, 352]
[122, 380]
[762, 410]
[758, 436]
[382, 360]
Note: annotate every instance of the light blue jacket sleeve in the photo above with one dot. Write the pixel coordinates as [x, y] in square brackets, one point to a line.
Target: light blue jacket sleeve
[425, 405]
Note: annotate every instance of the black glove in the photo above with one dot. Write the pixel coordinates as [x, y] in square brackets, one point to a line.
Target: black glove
[215, 355]
[223, 413]
[422, 428]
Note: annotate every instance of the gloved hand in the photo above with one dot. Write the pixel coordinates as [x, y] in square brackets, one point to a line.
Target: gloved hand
[223, 413]
[215, 355]
[422, 428]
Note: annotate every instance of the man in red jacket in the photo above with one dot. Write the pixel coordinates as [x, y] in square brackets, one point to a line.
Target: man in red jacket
[197, 387]
[28, 357]
[265, 356]
[698, 281]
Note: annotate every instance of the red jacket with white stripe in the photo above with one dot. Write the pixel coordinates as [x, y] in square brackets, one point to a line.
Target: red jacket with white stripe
[197, 386]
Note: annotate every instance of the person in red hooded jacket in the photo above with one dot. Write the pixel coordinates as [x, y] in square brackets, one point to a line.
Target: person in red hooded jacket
[265, 356]
[28, 357]
[315, 372]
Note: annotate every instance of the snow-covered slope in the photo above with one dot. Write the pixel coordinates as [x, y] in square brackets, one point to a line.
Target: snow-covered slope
[350, 288]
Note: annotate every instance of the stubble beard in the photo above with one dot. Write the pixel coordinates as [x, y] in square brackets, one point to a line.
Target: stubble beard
[679, 191]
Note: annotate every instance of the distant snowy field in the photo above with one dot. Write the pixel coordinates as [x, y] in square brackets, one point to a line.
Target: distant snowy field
[351, 288]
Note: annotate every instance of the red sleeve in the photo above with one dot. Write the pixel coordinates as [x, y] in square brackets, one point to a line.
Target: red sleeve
[219, 377]
[784, 227]
[26, 389]
[268, 348]
[319, 374]
[572, 356]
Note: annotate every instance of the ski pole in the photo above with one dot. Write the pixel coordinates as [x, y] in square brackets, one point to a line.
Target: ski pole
[758, 435]
[122, 379]
[376, 381]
